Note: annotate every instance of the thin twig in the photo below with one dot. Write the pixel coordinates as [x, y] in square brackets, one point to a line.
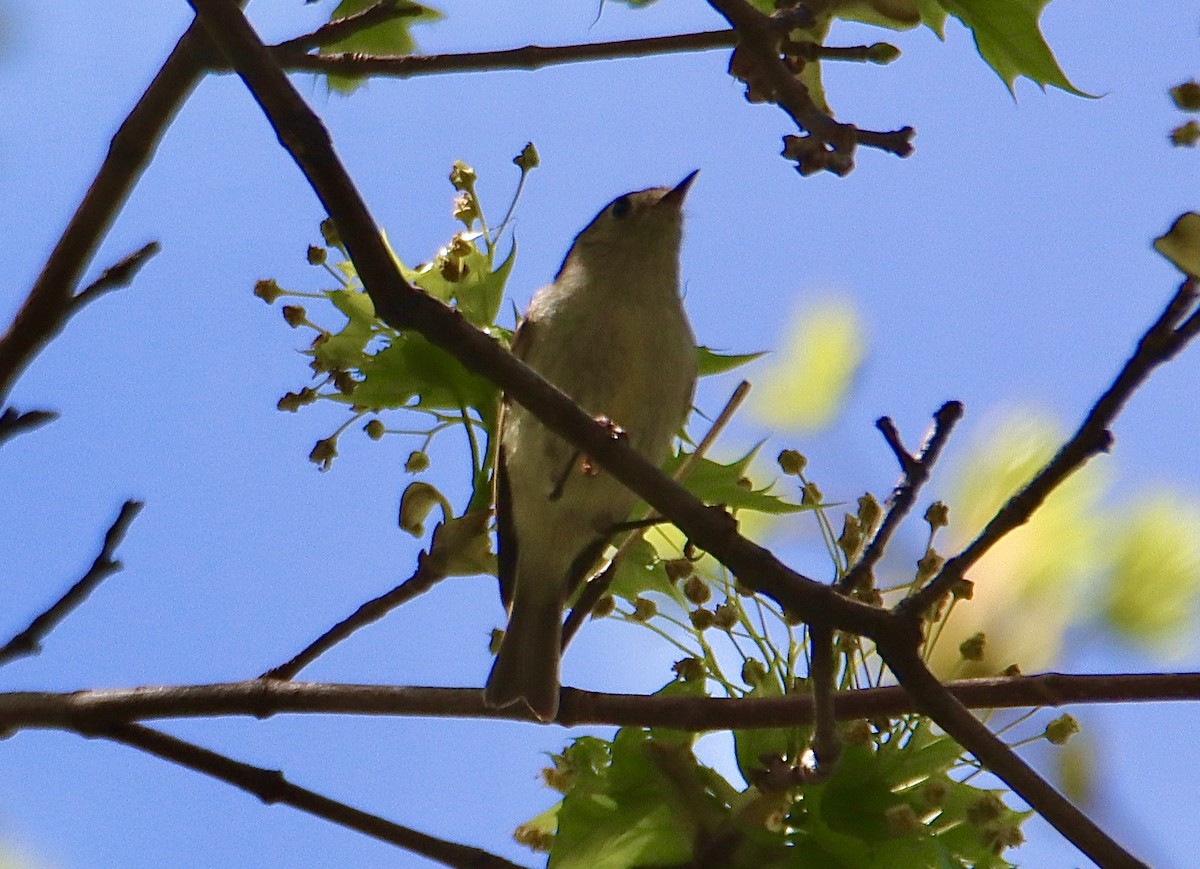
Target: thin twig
[822, 675]
[915, 470]
[423, 579]
[529, 57]
[48, 304]
[28, 641]
[14, 422]
[119, 274]
[599, 586]
[1169, 334]
[261, 698]
[272, 787]
[344, 28]
[829, 145]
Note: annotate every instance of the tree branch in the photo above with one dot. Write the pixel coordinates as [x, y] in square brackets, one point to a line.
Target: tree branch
[28, 641]
[1169, 334]
[13, 422]
[829, 145]
[933, 699]
[402, 307]
[423, 579]
[271, 787]
[915, 470]
[87, 711]
[49, 303]
[529, 57]
[344, 28]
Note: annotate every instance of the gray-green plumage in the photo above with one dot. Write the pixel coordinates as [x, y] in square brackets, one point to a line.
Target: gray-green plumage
[611, 333]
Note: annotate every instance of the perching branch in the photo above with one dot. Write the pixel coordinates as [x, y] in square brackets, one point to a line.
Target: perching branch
[1169, 334]
[88, 711]
[403, 307]
[28, 641]
[272, 787]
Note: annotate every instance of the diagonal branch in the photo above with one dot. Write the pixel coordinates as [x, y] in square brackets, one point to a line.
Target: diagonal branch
[423, 579]
[915, 470]
[343, 28]
[46, 308]
[28, 641]
[1169, 334]
[933, 699]
[403, 307]
[271, 787]
[14, 422]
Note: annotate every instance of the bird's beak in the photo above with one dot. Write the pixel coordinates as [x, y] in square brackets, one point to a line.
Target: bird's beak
[677, 193]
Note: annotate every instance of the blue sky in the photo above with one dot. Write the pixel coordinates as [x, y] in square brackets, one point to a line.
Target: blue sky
[1007, 263]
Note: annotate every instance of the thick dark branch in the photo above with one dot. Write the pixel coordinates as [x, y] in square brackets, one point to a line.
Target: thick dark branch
[1166, 337]
[28, 641]
[403, 307]
[271, 787]
[915, 470]
[529, 57]
[261, 698]
[423, 579]
[49, 302]
[936, 701]
[13, 422]
[344, 28]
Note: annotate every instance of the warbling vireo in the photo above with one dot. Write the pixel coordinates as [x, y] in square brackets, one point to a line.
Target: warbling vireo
[611, 333]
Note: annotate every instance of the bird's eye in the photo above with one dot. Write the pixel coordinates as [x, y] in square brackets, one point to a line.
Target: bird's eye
[621, 207]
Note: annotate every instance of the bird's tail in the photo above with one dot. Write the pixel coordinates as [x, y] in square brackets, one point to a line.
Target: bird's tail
[526, 669]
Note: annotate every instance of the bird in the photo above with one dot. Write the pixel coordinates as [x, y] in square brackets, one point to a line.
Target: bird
[611, 332]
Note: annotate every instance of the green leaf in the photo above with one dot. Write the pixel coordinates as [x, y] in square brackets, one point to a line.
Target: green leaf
[391, 37]
[1010, 41]
[411, 366]
[640, 570]
[715, 483]
[1155, 585]
[1181, 243]
[711, 362]
[345, 350]
[752, 744]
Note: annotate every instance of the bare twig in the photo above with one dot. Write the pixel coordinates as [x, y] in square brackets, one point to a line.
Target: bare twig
[49, 304]
[599, 586]
[261, 698]
[119, 274]
[528, 57]
[344, 28]
[423, 579]
[1169, 334]
[915, 470]
[829, 145]
[271, 787]
[28, 641]
[13, 422]
[822, 675]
